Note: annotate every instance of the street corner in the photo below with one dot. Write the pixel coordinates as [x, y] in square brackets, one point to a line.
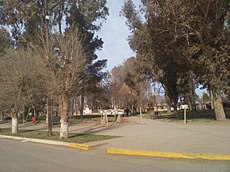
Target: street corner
[216, 157]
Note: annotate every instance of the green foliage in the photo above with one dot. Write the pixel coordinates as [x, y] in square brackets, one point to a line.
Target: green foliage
[180, 41]
[161, 59]
[209, 43]
[129, 87]
[131, 14]
[26, 21]
[85, 14]
[206, 97]
[25, 18]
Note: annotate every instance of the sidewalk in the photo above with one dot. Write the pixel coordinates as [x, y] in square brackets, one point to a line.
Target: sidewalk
[156, 135]
[205, 140]
[162, 138]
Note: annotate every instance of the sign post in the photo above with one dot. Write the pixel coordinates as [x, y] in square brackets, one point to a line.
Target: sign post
[185, 117]
[185, 107]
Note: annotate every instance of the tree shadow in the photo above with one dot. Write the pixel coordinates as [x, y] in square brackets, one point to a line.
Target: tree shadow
[94, 129]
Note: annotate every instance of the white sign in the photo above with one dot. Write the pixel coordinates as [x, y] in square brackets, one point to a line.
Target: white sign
[184, 106]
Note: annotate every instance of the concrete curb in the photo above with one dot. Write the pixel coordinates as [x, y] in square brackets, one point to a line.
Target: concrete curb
[80, 146]
[218, 157]
[50, 142]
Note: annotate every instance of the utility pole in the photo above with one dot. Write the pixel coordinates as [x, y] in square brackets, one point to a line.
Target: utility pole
[47, 46]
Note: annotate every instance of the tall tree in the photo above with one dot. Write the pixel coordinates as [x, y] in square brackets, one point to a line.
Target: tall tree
[183, 38]
[129, 87]
[34, 23]
[85, 15]
[70, 75]
[152, 40]
[207, 32]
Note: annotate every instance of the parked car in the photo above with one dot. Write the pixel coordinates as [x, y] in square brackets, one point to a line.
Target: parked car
[6, 117]
[55, 119]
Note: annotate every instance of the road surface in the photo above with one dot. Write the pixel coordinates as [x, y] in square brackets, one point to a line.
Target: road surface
[18, 156]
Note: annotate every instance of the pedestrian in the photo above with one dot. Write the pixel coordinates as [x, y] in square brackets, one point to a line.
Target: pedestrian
[127, 111]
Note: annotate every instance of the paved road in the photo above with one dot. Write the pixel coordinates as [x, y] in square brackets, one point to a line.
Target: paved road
[26, 157]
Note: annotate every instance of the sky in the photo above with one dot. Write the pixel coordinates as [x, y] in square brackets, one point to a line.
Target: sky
[114, 33]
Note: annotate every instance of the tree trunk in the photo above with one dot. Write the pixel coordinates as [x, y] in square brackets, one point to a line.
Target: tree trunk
[64, 130]
[169, 104]
[35, 114]
[2, 116]
[14, 125]
[24, 120]
[82, 104]
[189, 105]
[141, 115]
[119, 118]
[168, 108]
[74, 107]
[24, 115]
[175, 104]
[49, 115]
[189, 100]
[104, 119]
[218, 108]
[212, 99]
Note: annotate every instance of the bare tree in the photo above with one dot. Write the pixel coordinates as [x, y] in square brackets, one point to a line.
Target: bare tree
[71, 73]
[21, 78]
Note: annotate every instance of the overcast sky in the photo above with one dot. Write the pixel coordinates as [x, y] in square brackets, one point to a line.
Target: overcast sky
[114, 34]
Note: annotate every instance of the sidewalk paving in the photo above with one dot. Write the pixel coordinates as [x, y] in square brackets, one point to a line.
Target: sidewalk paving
[159, 136]
[199, 140]
[155, 135]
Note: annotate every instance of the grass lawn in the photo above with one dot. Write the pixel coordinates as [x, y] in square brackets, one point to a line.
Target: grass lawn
[191, 115]
[73, 137]
[93, 118]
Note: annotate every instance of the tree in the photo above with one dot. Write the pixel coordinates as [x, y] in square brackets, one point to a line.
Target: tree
[139, 83]
[5, 40]
[29, 25]
[183, 39]
[34, 23]
[152, 40]
[99, 97]
[129, 87]
[86, 16]
[22, 78]
[208, 34]
[70, 75]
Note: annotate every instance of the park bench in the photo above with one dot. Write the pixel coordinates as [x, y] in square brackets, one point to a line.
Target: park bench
[110, 112]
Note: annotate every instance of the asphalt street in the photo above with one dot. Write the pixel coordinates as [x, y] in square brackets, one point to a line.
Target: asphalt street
[18, 156]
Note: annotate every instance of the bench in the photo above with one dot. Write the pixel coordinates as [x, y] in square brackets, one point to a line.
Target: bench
[105, 113]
